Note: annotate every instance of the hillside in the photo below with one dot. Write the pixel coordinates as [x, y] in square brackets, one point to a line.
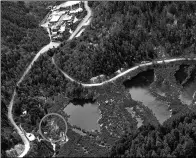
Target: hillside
[21, 38]
[175, 138]
[123, 34]
[142, 52]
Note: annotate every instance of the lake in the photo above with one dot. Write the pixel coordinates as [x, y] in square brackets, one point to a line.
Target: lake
[139, 89]
[85, 116]
[186, 95]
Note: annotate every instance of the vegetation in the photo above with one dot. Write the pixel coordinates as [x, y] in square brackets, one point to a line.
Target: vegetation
[123, 34]
[21, 38]
[176, 138]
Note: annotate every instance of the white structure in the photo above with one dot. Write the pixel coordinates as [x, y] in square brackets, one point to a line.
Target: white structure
[119, 71]
[62, 29]
[70, 31]
[30, 136]
[67, 4]
[66, 17]
[24, 112]
[75, 20]
[76, 10]
[54, 33]
[55, 18]
[97, 78]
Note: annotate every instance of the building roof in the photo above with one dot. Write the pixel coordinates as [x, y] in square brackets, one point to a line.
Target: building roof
[66, 17]
[54, 18]
[76, 10]
[30, 136]
[62, 29]
[68, 3]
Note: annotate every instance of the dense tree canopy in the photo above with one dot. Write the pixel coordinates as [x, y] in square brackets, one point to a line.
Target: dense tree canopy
[176, 138]
[122, 34]
[21, 38]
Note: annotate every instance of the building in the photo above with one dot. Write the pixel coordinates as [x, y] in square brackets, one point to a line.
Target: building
[62, 29]
[30, 136]
[68, 4]
[65, 17]
[54, 18]
[75, 6]
[76, 10]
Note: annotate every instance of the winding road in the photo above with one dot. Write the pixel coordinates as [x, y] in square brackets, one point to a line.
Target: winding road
[121, 74]
[43, 50]
[55, 44]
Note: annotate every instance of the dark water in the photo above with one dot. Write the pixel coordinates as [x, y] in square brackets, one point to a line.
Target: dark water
[84, 117]
[144, 78]
[139, 89]
[181, 74]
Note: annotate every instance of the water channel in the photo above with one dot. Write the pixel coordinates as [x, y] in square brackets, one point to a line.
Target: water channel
[139, 89]
[85, 116]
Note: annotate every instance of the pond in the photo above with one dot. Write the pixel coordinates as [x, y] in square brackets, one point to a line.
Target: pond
[139, 89]
[85, 116]
[186, 95]
[182, 73]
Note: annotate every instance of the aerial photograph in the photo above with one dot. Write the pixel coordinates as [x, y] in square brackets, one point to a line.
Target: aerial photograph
[98, 79]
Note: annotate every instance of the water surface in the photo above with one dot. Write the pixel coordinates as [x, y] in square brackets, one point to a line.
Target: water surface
[139, 89]
[159, 108]
[186, 95]
[85, 116]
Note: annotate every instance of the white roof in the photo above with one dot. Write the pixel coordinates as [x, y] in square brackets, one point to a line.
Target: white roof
[70, 31]
[55, 18]
[66, 17]
[58, 12]
[30, 136]
[75, 19]
[76, 10]
[62, 29]
[68, 3]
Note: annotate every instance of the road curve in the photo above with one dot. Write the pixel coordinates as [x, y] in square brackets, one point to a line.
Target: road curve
[55, 44]
[20, 132]
[43, 50]
[121, 74]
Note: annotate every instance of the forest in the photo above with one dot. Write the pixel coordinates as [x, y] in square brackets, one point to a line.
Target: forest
[21, 39]
[175, 138]
[123, 34]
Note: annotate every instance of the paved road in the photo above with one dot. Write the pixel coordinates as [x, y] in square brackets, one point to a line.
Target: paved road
[43, 50]
[121, 74]
[20, 132]
[86, 18]
[55, 44]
